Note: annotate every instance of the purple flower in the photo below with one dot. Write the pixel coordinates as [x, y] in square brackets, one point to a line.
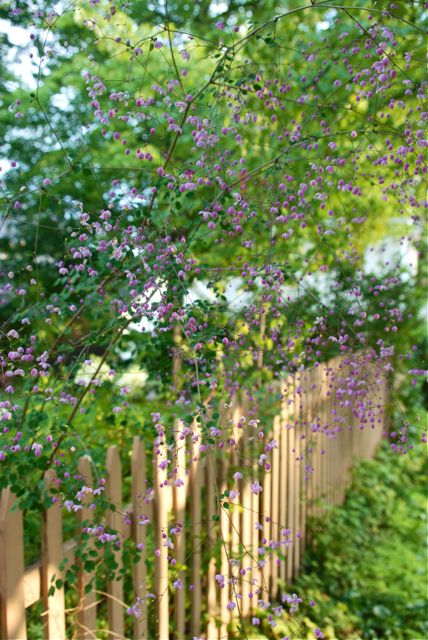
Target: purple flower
[256, 487]
[37, 448]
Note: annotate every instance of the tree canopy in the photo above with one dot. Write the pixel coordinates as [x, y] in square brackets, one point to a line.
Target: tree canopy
[198, 199]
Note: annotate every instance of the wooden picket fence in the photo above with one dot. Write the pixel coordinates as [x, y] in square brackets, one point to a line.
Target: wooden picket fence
[304, 442]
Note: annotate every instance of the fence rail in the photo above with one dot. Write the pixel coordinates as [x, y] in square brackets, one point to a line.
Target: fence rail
[319, 435]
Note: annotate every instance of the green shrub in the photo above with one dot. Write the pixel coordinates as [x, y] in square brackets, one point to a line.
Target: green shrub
[366, 568]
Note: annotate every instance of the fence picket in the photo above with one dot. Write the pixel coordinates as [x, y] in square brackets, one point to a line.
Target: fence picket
[52, 556]
[274, 510]
[195, 482]
[115, 605]
[212, 632]
[255, 572]
[297, 487]
[12, 595]
[266, 533]
[139, 535]
[300, 453]
[179, 505]
[224, 555]
[282, 445]
[290, 502]
[161, 505]
[235, 507]
[86, 612]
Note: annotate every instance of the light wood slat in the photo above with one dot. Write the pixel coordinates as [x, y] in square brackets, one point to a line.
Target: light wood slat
[340, 470]
[139, 532]
[336, 479]
[235, 508]
[212, 608]
[275, 529]
[304, 408]
[291, 507]
[266, 533]
[297, 487]
[52, 556]
[32, 585]
[246, 537]
[383, 423]
[161, 528]
[309, 414]
[282, 446]
[239, 430]
[344, 468]
[195, 481]
[86, 612]
[312, 444]
[330, 442]
[317, 473]
[322, 438]
[115, 605]
[179, 509]
[225, 593]
[12, 594]
[255, 571]
[324, 445]
[348, 453]
[308, 410]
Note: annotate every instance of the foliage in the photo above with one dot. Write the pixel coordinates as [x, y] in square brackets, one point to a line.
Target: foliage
[190, 193]
[365, 568]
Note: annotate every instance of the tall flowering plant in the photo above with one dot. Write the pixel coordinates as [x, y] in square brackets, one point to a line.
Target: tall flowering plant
[206, 227]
